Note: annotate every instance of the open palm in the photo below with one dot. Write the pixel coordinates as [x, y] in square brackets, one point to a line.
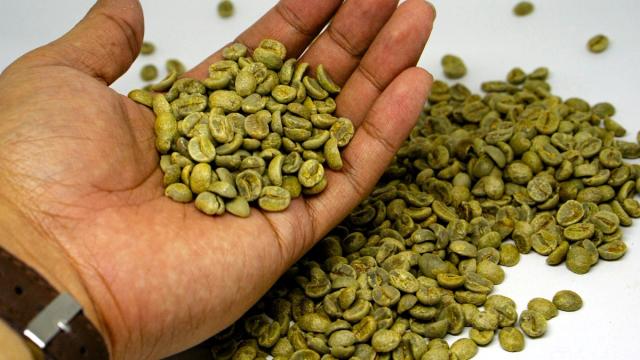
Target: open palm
[78, 161]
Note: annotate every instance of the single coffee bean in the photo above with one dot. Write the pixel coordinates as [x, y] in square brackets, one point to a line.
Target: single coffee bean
[598, 43]
[523, 8]
[225, 8]
[511, 339]
[567, 300]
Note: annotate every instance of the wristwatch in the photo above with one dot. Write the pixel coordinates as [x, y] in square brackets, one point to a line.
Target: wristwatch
[53, 321]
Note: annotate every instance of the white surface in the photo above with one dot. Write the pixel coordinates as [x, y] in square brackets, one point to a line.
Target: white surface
[490, 40]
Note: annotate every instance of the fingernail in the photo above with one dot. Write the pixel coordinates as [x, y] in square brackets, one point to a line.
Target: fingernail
[429, 74]
[433, 9]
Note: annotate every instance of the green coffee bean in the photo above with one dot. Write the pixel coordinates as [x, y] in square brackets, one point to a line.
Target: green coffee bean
[523, 8]
[314, 89]
[461, 247]
[544, 307]
[341, 338]
[436, 354]
[201, 149]
[175, 65]
[234, 51]
[269, 57]
[141, 97]
[179, 192]
[165, 83]
[385, 340]
[171, 174]
[225, 8]
[558, 255]
[453, 66]
[334, 159]
[578, 260]
[613, 250]
[283, 93]
[311, 173]
[570, 213]
[286, 71]
[598, 43]
[343, 131]
[166, 126]
[403, 280]
[249, 184]
[314, 322]
[325, 80]
[239, 206]
[491, 271]
[209, 203]
[274, 198]
[485, 320]
[222, 188]
[477, 283]
[509, 255]
[504, 307]
[464, 349]
[147, 48]
[317, 141]
[450, 281]
[149, 72]
[579, 231]
[305, 354]
[185, 175]
[257, 125]
[200, 178]
[544, 242]
[605, 221]
[540, 73]
[217, 80]
[385, 295]
[533, 323]
[229, 101]
[292, 185]
[511, 339]
[567, 300]
[481, 337]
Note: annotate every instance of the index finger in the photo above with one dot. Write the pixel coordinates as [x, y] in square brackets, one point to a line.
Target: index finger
[295, 23]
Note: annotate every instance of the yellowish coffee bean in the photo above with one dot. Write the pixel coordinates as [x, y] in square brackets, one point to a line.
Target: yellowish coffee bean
[511, 339]
[179, 192]
[149, 72]
[209, 203]
[225, 9]
[567, 300]
[147, 48]
[325, 80]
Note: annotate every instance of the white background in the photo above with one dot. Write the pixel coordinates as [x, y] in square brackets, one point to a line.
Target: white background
[491, 41]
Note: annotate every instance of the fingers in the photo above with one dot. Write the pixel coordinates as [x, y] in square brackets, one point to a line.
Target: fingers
[350, 33]
[375, 143]
[295, 23]
[397, 47]
[104, 43]
[386, 126]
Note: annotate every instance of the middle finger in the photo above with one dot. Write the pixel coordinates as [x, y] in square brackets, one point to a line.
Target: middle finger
[355, 25]
[293, 22]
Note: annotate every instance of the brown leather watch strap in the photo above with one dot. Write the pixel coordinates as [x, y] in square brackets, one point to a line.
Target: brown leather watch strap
[24, 294]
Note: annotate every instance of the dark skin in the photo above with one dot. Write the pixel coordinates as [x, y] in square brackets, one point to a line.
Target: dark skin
[81, 194]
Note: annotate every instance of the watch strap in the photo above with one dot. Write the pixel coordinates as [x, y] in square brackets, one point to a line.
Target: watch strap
[24, 294]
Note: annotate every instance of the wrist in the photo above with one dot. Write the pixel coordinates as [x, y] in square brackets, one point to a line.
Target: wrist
[34, 247]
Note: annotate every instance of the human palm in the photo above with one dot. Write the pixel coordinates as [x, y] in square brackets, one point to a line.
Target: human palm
[82, 168]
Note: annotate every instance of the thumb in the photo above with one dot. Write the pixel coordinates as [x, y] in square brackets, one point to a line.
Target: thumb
[105, 42]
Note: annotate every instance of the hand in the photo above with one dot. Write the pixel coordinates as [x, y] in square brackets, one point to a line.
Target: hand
[81, 192]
